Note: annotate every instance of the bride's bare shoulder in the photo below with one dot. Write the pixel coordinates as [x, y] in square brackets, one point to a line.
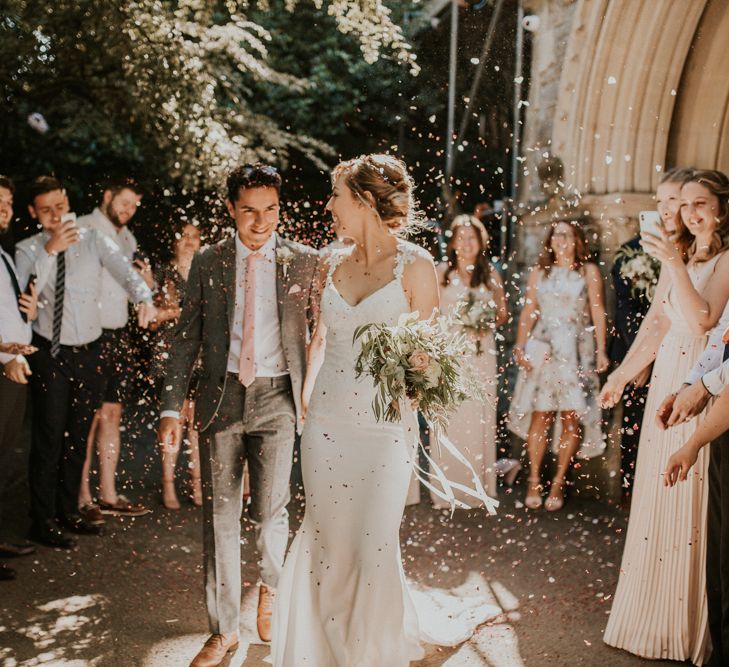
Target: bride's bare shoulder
[414, 254]
[417, 263]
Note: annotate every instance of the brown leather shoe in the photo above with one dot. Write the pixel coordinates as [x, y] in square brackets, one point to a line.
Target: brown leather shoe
[266, 598]
[123, 507]
[215, 650]
[92, 514]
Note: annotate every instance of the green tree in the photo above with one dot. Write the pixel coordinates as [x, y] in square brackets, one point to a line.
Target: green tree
[158, 87]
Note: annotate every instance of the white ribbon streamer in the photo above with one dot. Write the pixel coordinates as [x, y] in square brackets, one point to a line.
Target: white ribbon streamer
[447, 486]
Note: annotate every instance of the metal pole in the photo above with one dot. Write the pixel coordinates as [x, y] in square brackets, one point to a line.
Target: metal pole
[452, 92]
[516, 134]
[479, 71]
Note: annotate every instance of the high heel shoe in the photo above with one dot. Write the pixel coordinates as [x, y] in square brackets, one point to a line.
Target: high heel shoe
[533, 500]
[555, 503]
[196, 494]
[169, 494]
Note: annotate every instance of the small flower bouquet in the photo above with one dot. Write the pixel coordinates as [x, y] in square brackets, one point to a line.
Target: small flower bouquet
[640, 270]
[419, 361]
[476, 316]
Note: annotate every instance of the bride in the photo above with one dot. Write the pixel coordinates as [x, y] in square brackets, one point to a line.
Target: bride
[342, 599]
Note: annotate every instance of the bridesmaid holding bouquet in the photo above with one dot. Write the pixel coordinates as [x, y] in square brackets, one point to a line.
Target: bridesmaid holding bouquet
[467, 278]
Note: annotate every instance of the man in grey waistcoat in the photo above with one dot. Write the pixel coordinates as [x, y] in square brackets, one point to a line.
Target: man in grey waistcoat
[246, 316]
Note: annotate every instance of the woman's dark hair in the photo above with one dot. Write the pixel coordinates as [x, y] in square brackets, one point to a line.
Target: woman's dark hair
[482, 268]
[8, 184]
[717, 183]
[582, 253]
[43, 185]
[252, 176]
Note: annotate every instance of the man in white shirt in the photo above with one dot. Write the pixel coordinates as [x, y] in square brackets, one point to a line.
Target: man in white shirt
[66, 382]
[17, 309]
[245, 318]
[120, 200]
[709, 378]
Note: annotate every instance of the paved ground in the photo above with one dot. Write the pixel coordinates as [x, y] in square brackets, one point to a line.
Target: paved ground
[135, 596]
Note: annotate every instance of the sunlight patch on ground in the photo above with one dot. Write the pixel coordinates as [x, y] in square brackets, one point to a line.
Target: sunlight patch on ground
[446, 615]
[180, 650]
[62, 629]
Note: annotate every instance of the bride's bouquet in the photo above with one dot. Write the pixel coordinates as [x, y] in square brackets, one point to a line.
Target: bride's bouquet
[476, 316]
[422, 361]
[419, 361]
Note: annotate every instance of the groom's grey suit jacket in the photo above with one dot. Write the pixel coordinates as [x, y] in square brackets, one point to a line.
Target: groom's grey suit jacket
[207, 317]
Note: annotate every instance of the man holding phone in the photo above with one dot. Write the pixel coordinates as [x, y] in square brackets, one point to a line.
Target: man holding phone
[66, 380]
[120, 200]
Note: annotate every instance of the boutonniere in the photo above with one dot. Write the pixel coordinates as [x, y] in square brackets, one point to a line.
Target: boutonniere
[284, 257]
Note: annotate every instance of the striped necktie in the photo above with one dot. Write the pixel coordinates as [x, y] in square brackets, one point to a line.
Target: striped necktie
[58, 303]
[14, 282]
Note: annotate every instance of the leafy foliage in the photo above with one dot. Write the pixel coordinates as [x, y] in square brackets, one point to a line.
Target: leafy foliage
[157, 86]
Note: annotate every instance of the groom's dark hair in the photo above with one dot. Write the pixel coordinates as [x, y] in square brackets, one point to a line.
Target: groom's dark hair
[257, 175]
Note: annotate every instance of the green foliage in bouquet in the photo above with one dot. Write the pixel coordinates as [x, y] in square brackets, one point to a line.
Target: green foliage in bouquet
[418, 361]
[476, 316]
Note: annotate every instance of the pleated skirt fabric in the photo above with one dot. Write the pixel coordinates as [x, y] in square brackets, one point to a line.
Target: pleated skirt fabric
[659, 610]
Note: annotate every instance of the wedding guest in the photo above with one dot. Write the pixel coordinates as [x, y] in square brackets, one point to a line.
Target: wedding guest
[172, 281]
[468, 277]
[17, 310]
[120, 200]
[663, 566]
[66, 381]
[709, 378]
[560, 344]
[631, 305]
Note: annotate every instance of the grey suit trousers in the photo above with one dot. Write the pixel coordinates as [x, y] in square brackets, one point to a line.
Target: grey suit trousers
[257, 425]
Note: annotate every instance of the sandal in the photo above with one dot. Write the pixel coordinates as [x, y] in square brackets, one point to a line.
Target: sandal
[555, 503]
[533, 500]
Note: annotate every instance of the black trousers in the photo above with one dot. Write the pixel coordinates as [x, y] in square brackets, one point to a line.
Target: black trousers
[66, 392]
[717, 551]
[12, 411]
[633, 407]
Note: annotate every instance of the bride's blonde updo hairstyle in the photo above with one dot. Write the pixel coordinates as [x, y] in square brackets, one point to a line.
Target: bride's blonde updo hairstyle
[387, 179]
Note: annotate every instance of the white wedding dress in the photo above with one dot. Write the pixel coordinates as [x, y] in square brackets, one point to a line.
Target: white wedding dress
[342, 598]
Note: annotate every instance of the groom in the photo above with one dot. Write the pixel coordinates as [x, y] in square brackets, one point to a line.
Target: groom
[245, 318]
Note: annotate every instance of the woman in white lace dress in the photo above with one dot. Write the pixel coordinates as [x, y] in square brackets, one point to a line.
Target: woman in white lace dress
[342, 599]
[564, 320]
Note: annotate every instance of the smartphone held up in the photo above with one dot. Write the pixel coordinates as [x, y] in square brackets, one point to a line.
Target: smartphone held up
[650, 223]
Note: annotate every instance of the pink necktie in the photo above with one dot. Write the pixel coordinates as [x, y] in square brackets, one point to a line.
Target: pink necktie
[247, 371]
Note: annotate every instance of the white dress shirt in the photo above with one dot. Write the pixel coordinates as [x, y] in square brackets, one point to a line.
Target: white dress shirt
[12, 327]
[114, 303]
[267, 344]
[709, 368]
[85, 261]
